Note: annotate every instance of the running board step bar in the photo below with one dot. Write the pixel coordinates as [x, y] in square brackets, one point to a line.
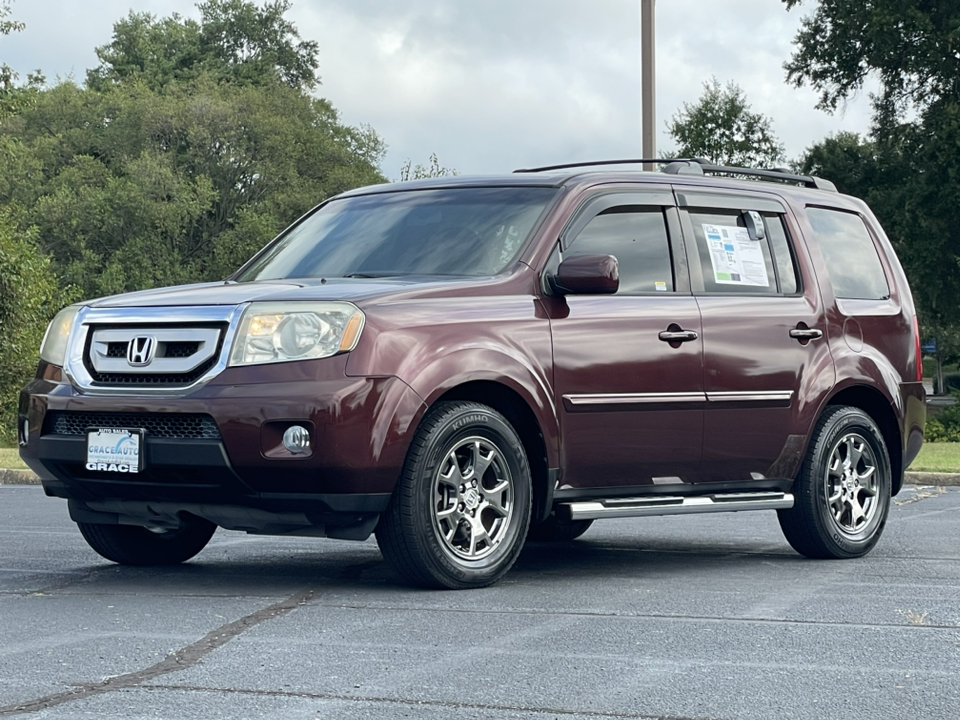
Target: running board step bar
[676, 505]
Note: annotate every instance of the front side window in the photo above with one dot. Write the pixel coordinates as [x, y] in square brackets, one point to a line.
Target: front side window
[637, 237]
[453, 231]
[852, 260]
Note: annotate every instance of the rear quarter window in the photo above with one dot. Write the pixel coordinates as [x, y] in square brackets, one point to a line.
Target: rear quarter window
[853, 263]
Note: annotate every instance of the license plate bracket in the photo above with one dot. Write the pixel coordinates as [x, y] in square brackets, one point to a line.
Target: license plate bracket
[117, 450]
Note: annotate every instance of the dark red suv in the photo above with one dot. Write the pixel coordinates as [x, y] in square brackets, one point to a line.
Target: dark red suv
[462, 363]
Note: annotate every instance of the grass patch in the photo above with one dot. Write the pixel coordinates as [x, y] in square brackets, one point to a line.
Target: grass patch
[10, 459]
[938, 457]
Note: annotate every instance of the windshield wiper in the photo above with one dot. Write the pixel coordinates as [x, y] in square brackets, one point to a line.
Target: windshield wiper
[373, 275]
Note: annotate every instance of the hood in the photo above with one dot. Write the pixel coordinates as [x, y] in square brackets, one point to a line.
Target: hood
[233, 293]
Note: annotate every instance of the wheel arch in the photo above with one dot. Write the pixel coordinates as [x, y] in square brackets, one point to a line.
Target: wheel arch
[878, 407]
[518, 412]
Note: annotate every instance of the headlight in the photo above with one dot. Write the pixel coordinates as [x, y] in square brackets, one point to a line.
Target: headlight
[53, 349]
[280, 332]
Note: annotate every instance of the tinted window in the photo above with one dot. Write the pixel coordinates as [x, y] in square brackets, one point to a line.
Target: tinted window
[852, 261]
[730, 261]
[638, 239]
[457, 231]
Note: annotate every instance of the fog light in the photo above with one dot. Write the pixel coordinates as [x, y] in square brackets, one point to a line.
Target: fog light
[25, 433]
[296, 439]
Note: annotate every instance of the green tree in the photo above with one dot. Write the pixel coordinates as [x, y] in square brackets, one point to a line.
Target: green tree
[909, 47]
[131, 188]
[29, 296]
[235, 41]
[191, 147]
[721, 128]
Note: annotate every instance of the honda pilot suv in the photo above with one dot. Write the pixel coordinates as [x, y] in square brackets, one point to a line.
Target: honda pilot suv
[463, 363]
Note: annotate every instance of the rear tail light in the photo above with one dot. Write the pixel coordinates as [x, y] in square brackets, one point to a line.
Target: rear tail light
[916, 337]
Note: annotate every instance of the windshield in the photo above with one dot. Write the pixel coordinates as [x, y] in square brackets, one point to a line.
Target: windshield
[455, 231]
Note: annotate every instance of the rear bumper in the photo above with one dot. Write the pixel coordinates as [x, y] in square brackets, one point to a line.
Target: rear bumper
[244, 479]
[914, 403]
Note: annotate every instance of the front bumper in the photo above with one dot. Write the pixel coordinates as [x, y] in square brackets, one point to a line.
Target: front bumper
[361, 428]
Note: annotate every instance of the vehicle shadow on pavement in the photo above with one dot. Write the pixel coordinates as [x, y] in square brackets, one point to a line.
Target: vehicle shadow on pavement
[271, 570]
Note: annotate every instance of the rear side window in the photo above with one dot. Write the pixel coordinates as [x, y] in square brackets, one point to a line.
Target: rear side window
[637, 237]
[730, 261]
[852, 261]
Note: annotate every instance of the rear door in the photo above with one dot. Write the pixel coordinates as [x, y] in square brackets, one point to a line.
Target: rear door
[630, 401]
[766, 360]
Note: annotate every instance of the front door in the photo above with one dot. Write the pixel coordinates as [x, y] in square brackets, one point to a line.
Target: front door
[630, 396]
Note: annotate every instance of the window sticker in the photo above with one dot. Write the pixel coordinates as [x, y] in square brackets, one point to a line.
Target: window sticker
[736, 259]
[660, 286]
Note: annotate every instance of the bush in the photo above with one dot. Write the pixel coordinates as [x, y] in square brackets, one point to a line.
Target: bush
[945, 427]
[29, 297]
[951, 382]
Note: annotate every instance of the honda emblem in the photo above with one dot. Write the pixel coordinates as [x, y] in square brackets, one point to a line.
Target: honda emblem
[141, 350]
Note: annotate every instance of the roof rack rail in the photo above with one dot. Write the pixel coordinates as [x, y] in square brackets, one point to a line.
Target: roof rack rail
[699, 166]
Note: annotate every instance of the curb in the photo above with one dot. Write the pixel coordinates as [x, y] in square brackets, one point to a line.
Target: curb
[27, 477]
[931, 478]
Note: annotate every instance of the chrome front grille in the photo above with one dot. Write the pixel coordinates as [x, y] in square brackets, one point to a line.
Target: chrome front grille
[115, 352]
[150, 351]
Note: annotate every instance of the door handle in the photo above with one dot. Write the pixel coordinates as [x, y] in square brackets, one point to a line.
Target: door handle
[806, 334]
[678, 336]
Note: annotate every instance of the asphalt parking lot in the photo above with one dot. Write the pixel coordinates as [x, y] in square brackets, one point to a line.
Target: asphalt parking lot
[693, 617]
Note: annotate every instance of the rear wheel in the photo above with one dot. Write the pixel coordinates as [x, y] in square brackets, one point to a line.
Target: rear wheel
[134, 545]
[843, 491]
[460, 512]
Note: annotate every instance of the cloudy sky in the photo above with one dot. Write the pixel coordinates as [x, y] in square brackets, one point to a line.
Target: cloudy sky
[492, 85]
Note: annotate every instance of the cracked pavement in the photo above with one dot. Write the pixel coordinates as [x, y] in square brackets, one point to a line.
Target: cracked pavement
[710, 616]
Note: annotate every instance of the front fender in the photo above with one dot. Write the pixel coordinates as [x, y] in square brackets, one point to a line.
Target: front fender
[436, 346]
[487, 365]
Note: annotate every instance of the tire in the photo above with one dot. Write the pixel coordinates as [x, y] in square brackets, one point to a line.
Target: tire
[554, 529]
[448, 526]
[133, 545]
[842, 496]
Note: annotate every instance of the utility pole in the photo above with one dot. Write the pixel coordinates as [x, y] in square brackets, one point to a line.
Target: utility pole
[648, 81]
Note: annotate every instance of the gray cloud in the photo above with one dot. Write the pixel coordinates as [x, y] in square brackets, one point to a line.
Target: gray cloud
[491, 85]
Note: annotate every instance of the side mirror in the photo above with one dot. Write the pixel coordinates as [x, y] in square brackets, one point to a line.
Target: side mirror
[588, 275]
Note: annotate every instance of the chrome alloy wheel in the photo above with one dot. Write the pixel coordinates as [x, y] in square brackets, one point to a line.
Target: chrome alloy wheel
[851, 484]
[473, 499]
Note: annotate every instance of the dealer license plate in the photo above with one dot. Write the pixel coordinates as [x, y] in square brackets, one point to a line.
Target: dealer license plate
[115, 450]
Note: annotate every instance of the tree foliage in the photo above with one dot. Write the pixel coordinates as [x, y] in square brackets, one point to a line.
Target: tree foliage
[909, 169]
[720, 127]
[13, 98]
[29, 296]
[192, 145]
[8, 25]
[235, 41]
[409, 171]
[909, 46]
[130, 188]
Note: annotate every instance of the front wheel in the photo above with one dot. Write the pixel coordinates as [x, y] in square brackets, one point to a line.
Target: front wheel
[460, 512]
[134, 545]
[843, 491]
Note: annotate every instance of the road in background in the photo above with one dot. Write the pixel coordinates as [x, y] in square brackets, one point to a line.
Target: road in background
[691, 617]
